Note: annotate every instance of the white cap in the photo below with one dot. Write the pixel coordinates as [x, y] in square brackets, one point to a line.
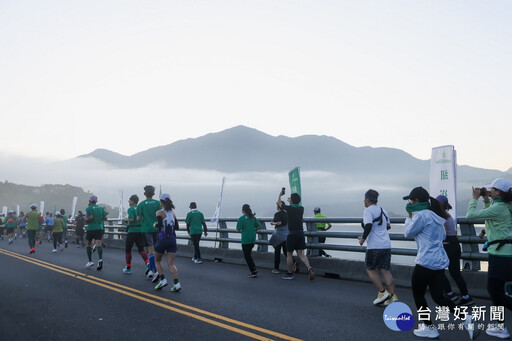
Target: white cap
[165, 196]
[33, 206]
[58, 213]
[501, 184]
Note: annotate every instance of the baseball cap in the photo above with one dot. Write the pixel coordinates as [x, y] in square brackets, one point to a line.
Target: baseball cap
[419, 193]
[316, 209]
[501, 184]
[165, 196]
[93, 198]
[58, 213]
[33, 206]
[442, 199]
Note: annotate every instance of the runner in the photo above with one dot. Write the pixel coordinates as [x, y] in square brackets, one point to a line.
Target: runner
[95, 217]
[22, 225]
[296, 239]
[49, 226]
[378, 250]
[147, 216]
[65, 227]
[167, 224]
[278, 239]
[248, 225]
[58, 230]
[321, 227]
[134, 235]
[10, 223]
[195, 226]
[32, 220]
[79, 229]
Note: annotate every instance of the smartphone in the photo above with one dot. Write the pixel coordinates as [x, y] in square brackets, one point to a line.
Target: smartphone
[283, 190]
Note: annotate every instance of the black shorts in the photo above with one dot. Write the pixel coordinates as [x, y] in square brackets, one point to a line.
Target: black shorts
[10, 230]
[295, 241]
[136, 238]
[149, 239]
[378, 259]
[94, 234]
[168, 245]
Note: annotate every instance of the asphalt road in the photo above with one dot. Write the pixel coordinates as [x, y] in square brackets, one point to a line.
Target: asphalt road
[47, 296]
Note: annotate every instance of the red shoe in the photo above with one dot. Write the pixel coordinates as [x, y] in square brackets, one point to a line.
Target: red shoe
[311, 273]
[32, 250]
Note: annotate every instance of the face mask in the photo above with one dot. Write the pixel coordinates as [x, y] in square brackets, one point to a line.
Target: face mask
[410, 208]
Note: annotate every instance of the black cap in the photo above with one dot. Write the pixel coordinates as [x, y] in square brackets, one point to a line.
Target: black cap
[419, 193]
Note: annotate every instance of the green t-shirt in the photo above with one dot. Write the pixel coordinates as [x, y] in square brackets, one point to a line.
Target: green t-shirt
[134, 225]
[98, 214]
[33, 220]
[320, 226]
[65, 219]
[58, 225]
[195, 219]
[147, 210]
[248, 228]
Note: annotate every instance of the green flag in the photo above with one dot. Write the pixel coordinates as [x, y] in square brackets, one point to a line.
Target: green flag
[294, 176]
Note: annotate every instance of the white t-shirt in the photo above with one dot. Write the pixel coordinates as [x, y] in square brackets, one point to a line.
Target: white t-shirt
[378, 237]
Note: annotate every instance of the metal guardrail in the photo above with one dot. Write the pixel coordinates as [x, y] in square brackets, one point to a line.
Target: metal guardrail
[471, 254]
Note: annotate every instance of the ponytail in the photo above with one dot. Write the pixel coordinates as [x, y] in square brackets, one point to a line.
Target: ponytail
[437, 208]
[506, 196]
[247, 210]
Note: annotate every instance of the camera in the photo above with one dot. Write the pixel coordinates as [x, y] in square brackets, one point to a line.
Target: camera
[483, 192]
[283, 191]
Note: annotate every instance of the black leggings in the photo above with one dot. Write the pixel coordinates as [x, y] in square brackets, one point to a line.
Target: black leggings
[277, 254]
[500, 271]
[31, 238]
[433, 279]
[195, 241]
[247, 249]
[57, 237]
[453, 252]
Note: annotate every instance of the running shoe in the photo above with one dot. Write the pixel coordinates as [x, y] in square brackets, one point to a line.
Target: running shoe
[150, 274]
[253, 274]
[471, 328]
[426, 331]
[194, 259]
[176, 287]
[311, 273]
[100, 265]
[127, 270]
[32, 250]
[288, 276]
[156, 277]
[54, 250]
[146, 268]
[66, 243]
[89, 264]
[161, 284]
[77, 245]
[198, 261]
[452, 297]
[275, 271]
[466, 301]
[381, 297]
[390, 300]
[497, 332]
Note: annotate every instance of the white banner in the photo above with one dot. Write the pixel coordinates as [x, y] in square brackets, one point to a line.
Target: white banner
[4, 211]
[443, 175]
[17, 210]
[216, 215]
[121, 200]
[73, 207]
[41, 207]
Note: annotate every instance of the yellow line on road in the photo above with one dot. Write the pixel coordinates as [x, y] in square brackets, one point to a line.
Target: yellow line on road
[128, 291]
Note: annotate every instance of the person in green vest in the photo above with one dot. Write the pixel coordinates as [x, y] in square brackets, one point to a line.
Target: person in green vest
[134, 235]
[247, 224]
[58, 230]
[10, 223]
[195, 226]
[321, 227]
[95, 216]
[32, 219]
[147, 217]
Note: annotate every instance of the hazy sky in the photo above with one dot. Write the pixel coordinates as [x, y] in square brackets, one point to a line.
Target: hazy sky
[131, 75]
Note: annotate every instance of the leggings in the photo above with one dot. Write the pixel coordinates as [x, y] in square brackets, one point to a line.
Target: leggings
[247, 249]
[453, 252]
[433, 279]
[277, 254]
[500, 271]
[57, 236]
[195, 241]
[31, 238]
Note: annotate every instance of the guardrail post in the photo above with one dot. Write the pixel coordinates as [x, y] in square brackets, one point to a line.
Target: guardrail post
[262, 236]
[223, 226]
[311, 227]
[468, 229]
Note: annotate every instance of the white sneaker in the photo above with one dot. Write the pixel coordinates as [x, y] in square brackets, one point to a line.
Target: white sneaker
[54, 250]
[176, 287]
[194, 259]
[198, 261]
[89, 264]
[150, 274]
[156, 275]
[161, 284]
[499, 333]
[381, 297]
[426, 331]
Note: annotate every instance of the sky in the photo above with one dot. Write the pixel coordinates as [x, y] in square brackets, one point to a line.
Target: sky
[131, 75]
